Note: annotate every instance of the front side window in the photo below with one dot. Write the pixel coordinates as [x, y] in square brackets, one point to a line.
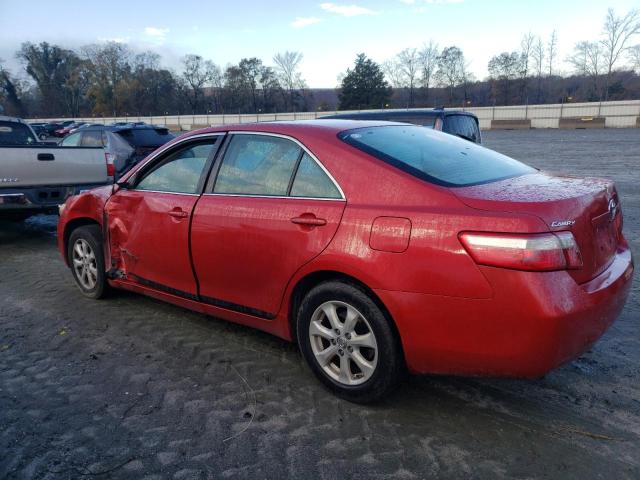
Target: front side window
[257, 165]
[180, 172]
[311, 181]
[434, 157]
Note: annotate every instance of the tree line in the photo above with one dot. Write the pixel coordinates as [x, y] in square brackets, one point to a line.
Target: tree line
[111, 80]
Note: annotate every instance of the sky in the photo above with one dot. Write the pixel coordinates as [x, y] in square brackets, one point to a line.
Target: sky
[329, 34]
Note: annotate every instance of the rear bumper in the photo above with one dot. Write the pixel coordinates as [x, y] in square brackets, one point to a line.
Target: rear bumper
[38, 199]
[534, 323]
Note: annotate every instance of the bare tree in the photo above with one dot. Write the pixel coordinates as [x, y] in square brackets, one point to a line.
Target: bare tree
[393, 73]
[634, 57]
[586, 60]
[552, 51]
[617, 31]
[538, 57]
[409, 64]
[287, 65]
[197, 73]
[428, 64]
[451, 69]
[526, 51]
[578, 58]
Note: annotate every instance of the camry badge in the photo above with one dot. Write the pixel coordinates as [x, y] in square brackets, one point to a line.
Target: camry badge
[562, 223]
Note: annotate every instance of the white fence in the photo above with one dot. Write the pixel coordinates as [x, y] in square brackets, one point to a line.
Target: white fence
[622, 114]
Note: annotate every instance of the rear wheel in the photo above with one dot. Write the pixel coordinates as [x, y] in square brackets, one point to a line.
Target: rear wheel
[348, 342]
[86, 258]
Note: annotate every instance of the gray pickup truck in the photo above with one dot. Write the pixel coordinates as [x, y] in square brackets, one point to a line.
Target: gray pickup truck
[36, 177]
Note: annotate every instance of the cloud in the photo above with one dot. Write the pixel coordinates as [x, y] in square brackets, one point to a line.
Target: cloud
[301, 22]
[156, 32]
[114, 39]
[347, 10]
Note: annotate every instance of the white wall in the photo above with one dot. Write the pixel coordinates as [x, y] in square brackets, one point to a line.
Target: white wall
[617, 115]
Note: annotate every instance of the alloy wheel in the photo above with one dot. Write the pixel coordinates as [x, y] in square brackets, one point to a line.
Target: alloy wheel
[85, 264]
[343, 343]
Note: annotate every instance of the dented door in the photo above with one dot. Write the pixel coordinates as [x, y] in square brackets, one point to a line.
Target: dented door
[149, 239]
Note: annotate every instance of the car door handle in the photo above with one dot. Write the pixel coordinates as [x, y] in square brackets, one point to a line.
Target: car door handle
[310, 220]
[178, 213]
[46, 157]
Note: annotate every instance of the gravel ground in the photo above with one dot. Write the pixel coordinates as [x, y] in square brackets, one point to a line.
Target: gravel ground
[131, 387]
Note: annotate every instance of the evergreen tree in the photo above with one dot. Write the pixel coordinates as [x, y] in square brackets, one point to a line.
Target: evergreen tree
[364, 86]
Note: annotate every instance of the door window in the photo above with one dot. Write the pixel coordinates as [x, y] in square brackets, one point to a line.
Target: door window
[257, 165]
[312, 181]
[72, 140]
[92, 139]
[180, 172]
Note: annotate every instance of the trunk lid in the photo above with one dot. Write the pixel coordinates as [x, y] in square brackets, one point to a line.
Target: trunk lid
[587, 207]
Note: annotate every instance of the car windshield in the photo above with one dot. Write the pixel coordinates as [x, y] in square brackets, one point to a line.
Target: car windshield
[433, 156]
[146, 137]
[14, 133]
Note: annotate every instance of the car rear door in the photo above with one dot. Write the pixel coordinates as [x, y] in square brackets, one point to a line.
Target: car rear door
[270, 208]
[148, 221]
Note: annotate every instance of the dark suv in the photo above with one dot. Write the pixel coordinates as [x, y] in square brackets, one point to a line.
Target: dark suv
[455, 122]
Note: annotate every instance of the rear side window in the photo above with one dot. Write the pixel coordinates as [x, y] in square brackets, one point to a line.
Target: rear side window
[92, 139]
[14, 133]
[312, 181]
[257, 165]
[462, 125]
[434, 157]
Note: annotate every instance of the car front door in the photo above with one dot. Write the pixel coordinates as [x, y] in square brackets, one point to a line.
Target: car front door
[148, 219]
[269, 208]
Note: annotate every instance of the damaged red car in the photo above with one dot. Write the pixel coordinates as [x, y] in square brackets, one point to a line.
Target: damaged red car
[379, 248]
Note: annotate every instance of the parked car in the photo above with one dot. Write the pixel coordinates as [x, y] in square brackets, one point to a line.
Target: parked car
[144, 139]
[119, 152]
[36, 177]
[126, 144]
[455, 122]
[40, 130]
[376, 245]
[64, 128]
[84, 125]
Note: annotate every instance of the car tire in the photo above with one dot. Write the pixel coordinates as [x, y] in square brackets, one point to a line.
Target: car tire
[349, 343]
[85, 255]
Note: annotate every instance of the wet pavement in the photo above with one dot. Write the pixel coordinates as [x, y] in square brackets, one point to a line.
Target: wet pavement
[130, 387]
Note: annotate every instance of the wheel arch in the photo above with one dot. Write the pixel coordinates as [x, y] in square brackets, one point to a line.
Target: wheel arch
[312, 279]
[73, 225]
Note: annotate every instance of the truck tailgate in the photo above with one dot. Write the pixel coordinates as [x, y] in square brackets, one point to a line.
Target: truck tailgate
[51, 166]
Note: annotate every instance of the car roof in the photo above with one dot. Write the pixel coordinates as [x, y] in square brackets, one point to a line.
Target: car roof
[4, 118]
[414, 112]
[329, 127]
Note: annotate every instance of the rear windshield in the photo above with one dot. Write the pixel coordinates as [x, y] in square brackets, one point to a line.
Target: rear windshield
[146, 137]
[13, 133]
[434, 156]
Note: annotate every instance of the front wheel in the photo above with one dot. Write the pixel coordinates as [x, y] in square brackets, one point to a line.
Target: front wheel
[86, 258]
[349, 343]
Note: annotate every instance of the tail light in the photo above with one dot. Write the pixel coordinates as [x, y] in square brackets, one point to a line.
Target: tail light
[111, 168]
[533, 252]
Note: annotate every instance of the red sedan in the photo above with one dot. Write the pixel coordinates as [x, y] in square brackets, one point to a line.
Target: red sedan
[378, 247]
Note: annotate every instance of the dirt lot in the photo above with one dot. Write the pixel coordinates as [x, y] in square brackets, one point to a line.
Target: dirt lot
[131, 387]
